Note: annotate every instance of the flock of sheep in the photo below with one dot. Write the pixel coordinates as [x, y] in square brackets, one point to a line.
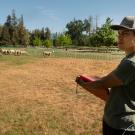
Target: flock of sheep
[18, 52]
[12, 52]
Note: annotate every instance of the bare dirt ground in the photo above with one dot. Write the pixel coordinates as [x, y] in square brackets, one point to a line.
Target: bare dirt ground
[39, 98]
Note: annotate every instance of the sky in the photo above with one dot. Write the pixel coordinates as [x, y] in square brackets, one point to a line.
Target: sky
[55, 14]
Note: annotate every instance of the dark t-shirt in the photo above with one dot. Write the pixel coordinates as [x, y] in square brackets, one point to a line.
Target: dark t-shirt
[119, 110]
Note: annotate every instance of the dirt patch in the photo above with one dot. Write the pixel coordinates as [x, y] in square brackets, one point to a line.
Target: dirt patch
[46, 91]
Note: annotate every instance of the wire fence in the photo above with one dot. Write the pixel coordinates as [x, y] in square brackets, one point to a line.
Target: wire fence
[73, 53]
[61, 53]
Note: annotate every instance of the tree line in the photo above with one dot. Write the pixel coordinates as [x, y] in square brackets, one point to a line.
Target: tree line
[78, 33]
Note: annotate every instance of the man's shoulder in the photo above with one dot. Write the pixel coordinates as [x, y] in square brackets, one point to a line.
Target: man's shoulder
[130, 58]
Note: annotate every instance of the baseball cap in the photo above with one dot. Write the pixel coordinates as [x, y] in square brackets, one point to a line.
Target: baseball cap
[128, 22]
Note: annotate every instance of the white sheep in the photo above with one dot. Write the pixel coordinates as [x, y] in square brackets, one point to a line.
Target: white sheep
[24, 52]
[17, 52]
[46, 53]
[1, 50]
[4, 51]
[12, 52]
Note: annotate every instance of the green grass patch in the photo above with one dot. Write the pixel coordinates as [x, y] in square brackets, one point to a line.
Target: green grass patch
[16, 60]
[35, 53]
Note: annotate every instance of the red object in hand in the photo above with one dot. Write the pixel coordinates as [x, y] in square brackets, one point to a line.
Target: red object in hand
[86, 78]
[101, 93]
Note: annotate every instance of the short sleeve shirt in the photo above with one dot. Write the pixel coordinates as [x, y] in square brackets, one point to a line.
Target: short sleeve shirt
[119, 112]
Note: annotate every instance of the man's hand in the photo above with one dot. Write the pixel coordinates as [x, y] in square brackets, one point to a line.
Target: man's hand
[79, 80]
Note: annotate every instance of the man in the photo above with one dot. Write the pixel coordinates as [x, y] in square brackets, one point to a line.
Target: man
[119, 112]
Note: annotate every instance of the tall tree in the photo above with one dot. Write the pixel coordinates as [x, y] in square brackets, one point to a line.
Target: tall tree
[1, 30]
[42, 34]
[5, 36]
[14, 34]
[75, 30]
[47, 33]
[8, 22]
[22, 33]
[1, 27]
[14, 18]
[6, 31]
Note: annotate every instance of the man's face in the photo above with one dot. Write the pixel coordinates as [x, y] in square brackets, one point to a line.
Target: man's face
[125, 39]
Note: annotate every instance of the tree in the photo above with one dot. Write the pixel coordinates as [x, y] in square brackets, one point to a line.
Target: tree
[105, 36]
[31, 37]
[5, 36]
[63, 40]
[8, 22]
[1, 27]
[43, 34]
[13, 29]
[9, 34]
[37, 33]
[23, 36]
[47, 43]
[75, 30]
[54, 37]
[6, 32]
[14, 18]
[47, 33]
[37, 42]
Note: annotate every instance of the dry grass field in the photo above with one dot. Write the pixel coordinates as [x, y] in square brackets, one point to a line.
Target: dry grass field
[39, 98]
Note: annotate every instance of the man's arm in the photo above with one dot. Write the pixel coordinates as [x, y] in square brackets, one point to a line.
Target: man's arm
[108, 81]
[100, 86]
